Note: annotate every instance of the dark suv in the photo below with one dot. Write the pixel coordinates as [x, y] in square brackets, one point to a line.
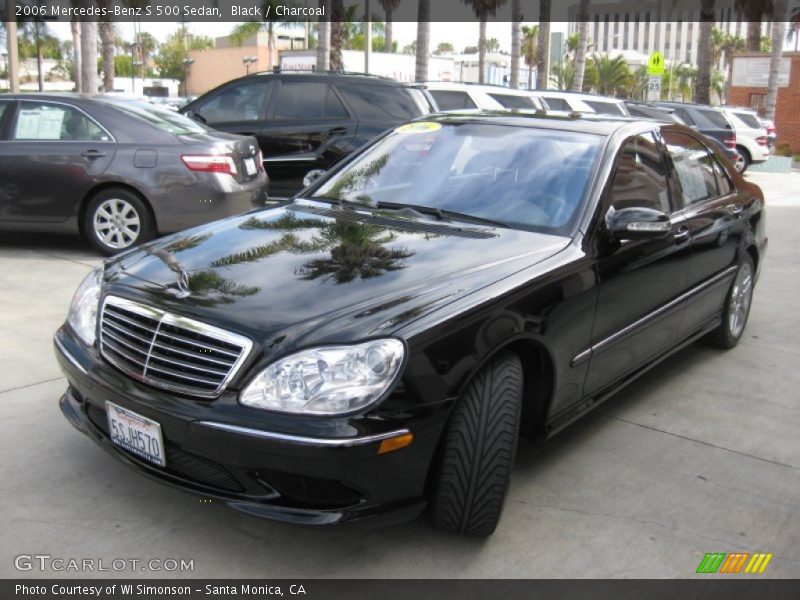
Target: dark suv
[708, 120]
[305, 121]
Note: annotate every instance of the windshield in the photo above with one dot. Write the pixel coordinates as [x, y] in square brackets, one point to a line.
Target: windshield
[162, 118]
[522, 177]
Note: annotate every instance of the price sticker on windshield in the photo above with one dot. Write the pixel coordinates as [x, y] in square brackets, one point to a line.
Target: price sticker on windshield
[420, 127]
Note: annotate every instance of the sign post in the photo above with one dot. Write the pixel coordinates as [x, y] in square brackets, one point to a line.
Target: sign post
[655, 69]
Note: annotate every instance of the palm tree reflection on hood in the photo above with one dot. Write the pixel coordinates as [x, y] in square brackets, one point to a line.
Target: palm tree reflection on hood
[357, 250]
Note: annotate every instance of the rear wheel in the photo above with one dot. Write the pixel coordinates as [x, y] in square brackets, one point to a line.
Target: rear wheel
[117, 219]
[743, 161]
[736, 308]
[471, 482]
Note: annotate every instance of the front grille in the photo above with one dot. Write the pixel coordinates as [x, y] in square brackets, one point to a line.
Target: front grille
[169, 351]
[179, 462]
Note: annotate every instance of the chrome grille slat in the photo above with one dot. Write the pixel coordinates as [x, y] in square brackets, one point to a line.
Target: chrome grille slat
[169, 351]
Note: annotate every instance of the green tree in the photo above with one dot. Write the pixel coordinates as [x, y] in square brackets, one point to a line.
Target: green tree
[172, 53]
[389, 7]
[753, 12]
[613, 74]
[562, 75]
[530, 36]
[705, 53]
[482, 10]
[444, 48]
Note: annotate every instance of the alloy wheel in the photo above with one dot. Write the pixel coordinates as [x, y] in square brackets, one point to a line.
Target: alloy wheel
[741, 297]
[117, 223]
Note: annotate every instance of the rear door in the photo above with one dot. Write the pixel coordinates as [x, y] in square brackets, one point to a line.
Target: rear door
[304, 118]
[638, 280]
[53, 153]
[715, 215]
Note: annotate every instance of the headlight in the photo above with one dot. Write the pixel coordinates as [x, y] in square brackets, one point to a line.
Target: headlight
[83, 310]
[327, 381]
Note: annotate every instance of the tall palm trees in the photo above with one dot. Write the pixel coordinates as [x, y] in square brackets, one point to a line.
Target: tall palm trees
[779, 15]
[543, 46]
[753, 12]
[423, 39]
[612, 74]
[323, 38]
[702, 83]
[583, 40]
[482, 10]
[337, 17]
[530, 40]
[516, 40]
[388, 8]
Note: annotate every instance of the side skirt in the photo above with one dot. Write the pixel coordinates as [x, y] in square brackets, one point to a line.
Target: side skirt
[572, 414]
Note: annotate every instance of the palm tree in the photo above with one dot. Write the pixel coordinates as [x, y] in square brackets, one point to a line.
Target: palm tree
[423, 39]
[324, 38]
[482, 10]
[337, 17]
[530, 37]
[753, 11]
[718, 85]
[779, 13]
[794, 27]
[583, 43]
[108, 46]
[702, 83]
[612, 74]
[516, 41]
[562, 75]
[543, 46]
[388, 8]
[75, 27]
[637, 88]
[89, 57]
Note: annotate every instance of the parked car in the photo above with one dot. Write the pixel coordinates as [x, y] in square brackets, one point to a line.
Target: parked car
[118, 171]
[708, 120]
[307, 121]
[562, 101]
[772, 132]
[604, 105]
[450, 96]
[651, 111]
[751, 136]
[378, 344]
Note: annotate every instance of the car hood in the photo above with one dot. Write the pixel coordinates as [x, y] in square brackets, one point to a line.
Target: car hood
[312, 273]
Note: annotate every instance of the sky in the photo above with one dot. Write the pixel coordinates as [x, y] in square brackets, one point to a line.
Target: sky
[458, 34]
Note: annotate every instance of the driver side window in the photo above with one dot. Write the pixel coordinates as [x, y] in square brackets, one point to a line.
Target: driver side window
[640, 179]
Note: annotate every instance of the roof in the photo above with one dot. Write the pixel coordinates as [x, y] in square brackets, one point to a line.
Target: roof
[580, 122]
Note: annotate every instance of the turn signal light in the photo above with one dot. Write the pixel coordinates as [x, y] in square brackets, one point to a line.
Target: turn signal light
[210, 163]
[395, 443]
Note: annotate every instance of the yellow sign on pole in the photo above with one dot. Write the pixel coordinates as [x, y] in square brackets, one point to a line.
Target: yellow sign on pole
[655, 66]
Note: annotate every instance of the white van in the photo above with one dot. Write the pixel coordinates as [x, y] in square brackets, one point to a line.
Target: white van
[751, 136]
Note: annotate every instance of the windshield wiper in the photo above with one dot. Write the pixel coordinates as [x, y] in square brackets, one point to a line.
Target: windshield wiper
[440, 213]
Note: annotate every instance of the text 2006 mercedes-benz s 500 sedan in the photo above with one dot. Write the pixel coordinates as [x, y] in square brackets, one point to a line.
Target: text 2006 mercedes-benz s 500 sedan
[376, 346]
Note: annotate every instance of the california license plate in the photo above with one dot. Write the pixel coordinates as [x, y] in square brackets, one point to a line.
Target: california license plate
[250, 166]
[136, 434]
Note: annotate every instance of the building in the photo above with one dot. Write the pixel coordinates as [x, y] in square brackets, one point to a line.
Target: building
[749, 73]
[228, 60]
[671, 27]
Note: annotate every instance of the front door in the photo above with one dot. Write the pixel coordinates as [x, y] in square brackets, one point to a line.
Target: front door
[637, 279]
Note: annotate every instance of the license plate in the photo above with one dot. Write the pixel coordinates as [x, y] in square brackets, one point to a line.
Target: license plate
[135, 433]
[250, 166]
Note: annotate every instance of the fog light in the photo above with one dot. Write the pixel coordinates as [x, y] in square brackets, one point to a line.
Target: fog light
[395, 443]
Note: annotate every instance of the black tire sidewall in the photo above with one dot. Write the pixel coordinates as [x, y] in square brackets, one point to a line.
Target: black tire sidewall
[146, 228]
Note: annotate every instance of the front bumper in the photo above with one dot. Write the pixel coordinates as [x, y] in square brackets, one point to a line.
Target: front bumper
[294, 476]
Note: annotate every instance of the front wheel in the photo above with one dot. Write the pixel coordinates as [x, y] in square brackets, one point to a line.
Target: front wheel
[470, 485]
[117, 219]
[737, 307]
[743, 161]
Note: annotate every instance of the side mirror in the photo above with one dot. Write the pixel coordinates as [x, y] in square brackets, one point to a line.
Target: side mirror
[312, 176]
[638, 223]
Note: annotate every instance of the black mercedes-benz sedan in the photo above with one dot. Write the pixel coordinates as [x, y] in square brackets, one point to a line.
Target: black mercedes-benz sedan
[377, 346]
[118, 171]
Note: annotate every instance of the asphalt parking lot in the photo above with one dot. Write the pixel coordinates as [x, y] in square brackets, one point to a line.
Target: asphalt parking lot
[702, 455]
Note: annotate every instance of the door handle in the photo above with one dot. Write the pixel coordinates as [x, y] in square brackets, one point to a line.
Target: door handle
[682, 234]
[736, 210]
[338, 131]
[92, 154]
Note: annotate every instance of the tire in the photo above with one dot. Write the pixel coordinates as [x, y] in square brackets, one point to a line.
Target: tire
[736, 308]
[470, 484]
[117, 219]
[744, 161]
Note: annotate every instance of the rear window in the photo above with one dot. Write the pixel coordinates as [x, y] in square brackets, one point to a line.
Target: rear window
[605, 108]
[373, 102]
[749, 119]
[158, 117]
[452, 100]
[715, 117]
[514, 102]
[556, 103]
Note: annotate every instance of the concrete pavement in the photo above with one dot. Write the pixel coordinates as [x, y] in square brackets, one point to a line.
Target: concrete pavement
[702, 455]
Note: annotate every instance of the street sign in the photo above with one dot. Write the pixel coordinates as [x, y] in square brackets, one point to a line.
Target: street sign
[655, 66]
[654, 88]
